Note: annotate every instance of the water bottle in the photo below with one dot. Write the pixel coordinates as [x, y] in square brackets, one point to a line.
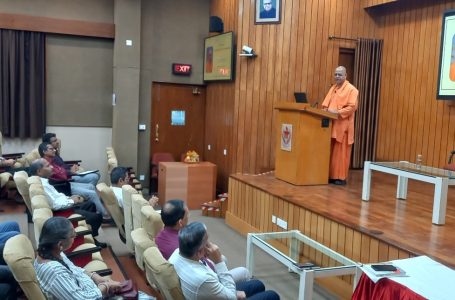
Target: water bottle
[419, 162]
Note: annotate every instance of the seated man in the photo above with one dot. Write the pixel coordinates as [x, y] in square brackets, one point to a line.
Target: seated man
[93, 178]
[7, 165]
[59, 173]
[198, 281]
[175, 216]
[120, 177]
[57, 201]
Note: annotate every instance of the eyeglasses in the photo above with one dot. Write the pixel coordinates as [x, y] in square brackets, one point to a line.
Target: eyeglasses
[270, 3]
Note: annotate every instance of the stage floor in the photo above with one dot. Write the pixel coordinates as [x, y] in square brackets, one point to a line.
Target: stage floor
[403, 223]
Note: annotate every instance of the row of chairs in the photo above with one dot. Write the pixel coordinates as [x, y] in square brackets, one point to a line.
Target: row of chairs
[19, 253]
[139, 223]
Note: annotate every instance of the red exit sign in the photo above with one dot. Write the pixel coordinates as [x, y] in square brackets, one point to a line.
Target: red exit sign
[181, 69]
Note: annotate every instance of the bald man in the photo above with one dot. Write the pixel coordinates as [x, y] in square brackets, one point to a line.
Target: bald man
[342, 101]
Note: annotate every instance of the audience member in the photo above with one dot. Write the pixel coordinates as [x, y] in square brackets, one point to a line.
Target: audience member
[7, 165]
[86, 190]
[198, 281]
[120, 177]
[57, 201]
[8, 284]
[58, 277]
[93, 178]
[175, 216]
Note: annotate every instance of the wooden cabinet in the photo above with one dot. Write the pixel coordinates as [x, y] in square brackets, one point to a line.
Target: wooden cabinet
[193, 183]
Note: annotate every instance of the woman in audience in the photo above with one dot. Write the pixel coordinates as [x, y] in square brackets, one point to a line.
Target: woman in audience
[58, 276]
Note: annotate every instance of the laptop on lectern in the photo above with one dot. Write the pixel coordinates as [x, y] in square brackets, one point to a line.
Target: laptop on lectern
[300, 97]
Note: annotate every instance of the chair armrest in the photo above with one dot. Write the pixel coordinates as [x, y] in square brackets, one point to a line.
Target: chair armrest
[104, 272]
[12, 155]
[83, 232]
[83, 252]
[72, 162]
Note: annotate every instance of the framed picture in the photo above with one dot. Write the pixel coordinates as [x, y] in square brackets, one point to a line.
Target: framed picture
[268, 12]
[446, 78]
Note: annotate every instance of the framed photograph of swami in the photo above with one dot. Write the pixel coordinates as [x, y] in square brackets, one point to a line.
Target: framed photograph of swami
[446, 78]
[268, 12]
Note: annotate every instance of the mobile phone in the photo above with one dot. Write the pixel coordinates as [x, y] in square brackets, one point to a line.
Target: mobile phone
[306, 265]
[384, 268]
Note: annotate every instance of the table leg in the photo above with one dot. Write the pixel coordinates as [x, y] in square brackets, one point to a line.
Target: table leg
[402, 187]
[306, 285]
[440, 201]
[366, 181]
[250, 254]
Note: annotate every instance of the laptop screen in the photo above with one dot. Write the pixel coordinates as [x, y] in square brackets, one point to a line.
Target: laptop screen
[300, 97]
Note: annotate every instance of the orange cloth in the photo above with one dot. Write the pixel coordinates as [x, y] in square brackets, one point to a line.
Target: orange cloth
[344, 100]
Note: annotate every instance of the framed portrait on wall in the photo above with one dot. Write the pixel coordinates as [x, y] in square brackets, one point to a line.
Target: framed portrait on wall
[446, 77]
[268, 12]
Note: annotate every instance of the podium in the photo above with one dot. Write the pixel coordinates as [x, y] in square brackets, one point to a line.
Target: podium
[193, 183]
[302, 155]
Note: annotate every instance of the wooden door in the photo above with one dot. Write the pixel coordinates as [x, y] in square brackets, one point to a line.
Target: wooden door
[178, 116]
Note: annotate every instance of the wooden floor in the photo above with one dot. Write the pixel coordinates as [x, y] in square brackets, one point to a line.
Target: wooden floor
[405, 224]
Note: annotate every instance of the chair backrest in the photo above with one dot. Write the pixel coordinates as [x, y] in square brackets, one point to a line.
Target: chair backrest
[161, 273]
[34, 179]
[31, 157]
[20, 178]
[157, 158]
[110, 200]
[137, 202]
[19, 255]
[5, 177]
[40, 215]
[128, 191]
[151, 221]
[39, 201]
[36, 189]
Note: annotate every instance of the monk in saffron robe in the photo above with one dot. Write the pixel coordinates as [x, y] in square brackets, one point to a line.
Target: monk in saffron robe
[342, 101]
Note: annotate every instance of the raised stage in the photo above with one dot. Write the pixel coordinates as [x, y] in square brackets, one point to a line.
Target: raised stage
[379, 230]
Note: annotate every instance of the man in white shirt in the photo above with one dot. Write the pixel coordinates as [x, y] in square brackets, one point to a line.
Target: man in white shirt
[120, 177]
[198, 281]
[58, 201]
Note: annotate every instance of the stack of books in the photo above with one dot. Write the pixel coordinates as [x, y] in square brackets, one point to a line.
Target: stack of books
[378, 271]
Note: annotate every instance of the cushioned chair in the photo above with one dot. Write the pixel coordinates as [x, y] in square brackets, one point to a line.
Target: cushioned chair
[19, 255]
[127, 192]
[110, 200]
[20, 178]
[161, 273]
[92, 262]
[142, 238]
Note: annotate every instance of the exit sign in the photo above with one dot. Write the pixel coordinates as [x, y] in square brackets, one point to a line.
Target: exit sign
[181, 69]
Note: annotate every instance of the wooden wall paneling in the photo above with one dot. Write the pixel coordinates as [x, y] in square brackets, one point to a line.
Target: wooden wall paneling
[365, 248]
[422, 78]
[293, 37]
[373, 256]
[54, 25]
[383, 251]
[269, 133]
[287, 68]
[409, 84]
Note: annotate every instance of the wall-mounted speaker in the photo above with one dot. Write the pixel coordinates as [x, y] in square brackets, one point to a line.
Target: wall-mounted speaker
[216, 24]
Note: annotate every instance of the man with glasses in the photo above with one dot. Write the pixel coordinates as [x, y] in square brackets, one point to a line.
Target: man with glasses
[269, 12]
[199, 281]
[342, 101]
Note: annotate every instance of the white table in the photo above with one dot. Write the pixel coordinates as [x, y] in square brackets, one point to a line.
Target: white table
[404, 170]
[295, 239]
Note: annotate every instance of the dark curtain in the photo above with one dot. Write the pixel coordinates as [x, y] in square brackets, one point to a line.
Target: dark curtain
[22, 83]
[367, 75]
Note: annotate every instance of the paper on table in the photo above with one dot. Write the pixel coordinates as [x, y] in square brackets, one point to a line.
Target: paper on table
[87, 172]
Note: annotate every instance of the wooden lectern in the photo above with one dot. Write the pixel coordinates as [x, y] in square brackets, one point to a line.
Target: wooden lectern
[302, 153]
